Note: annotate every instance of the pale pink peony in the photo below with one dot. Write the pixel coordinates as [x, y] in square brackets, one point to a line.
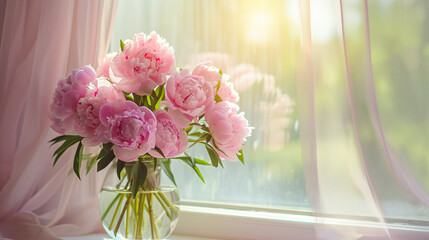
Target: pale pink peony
[229, 129]
[129, 127]
[170, 138]
[226, 90]
[209, 72]
[212, 75]
[187, 97]
[145, 63]
[86, 118]
[66, 96]
[103, 68]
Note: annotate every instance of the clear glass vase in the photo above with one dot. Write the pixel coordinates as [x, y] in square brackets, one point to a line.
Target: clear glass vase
[152, 214]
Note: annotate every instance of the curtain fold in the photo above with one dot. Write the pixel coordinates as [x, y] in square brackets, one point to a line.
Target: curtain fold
[41, 41]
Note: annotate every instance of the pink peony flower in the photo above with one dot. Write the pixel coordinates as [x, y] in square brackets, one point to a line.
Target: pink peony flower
[145, 63]
[229, 129]
[86, 118]
[209, 72]
[66, 96]
[226, 90]
[187, 97]
[103, 68]
[129, 127]
[212, 75]
[170, 138]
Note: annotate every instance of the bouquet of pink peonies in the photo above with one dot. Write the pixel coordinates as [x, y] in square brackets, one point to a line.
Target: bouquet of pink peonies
[138, 107]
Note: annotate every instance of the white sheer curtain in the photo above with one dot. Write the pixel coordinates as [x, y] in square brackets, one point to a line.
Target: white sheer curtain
[41, 41]
[359, 162]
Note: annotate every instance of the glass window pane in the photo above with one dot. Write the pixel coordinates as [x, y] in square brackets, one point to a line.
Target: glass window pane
[256, 43]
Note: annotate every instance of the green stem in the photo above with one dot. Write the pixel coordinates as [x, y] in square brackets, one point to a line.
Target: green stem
[109, 207]
[140, 214]
[154, 229]
[164, 206]
[120, 182]
[136, 204]
[122, 214]
[127, 226]
[116, 211]
[172, 206]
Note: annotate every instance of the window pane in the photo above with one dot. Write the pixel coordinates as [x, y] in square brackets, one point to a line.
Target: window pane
[256, 43]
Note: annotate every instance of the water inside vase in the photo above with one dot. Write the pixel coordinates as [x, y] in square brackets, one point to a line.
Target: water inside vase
[151, 215]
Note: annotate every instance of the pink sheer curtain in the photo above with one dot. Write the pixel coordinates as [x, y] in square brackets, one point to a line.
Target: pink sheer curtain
[41, 41]
[352, 170]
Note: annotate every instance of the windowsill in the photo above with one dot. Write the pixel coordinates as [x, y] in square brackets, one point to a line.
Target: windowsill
[212, 221]
[106, 237]
[247, 223]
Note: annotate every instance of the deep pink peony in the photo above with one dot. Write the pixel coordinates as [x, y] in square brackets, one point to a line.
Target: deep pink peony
[86, 118]
[66, 96]
[129, 127]
[228, 129]
[145, 63]
[170, 138]
[103, 68]
[187, 97]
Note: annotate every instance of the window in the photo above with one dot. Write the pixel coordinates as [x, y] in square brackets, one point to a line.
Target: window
[258, 43]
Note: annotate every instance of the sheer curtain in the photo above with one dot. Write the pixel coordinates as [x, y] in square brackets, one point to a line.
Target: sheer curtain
[41, 41]
[364, 134]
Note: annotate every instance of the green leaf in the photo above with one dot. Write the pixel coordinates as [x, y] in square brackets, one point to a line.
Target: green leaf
[90, 162]
[160, 95]
[155, 163]
[103, 152]
[197, 170]
[67, 144]
[128, 96]
[214, 143]
[201, 162]
[63, 138]
[190, 162]
[167, 170]
[217, 98]
[104, 161]
[142, 174]
[122, 45]
[78, 160]
[214, 157]
[218, 86]
[134, 185]
[240, 155]
[138, 99]
[120, 165]
[140, 178]
[220, 71]
[108, 146]
[159, 151]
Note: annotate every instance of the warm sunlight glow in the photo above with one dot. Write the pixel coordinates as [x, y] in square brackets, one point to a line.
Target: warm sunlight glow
[259, 26]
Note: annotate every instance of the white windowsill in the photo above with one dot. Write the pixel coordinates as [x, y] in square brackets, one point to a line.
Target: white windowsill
[209, 223]
[223, 223]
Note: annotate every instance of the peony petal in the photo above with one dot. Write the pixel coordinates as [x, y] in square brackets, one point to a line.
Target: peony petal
[146, 88]
[126, 155]
[115, 107]
[179, 118]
